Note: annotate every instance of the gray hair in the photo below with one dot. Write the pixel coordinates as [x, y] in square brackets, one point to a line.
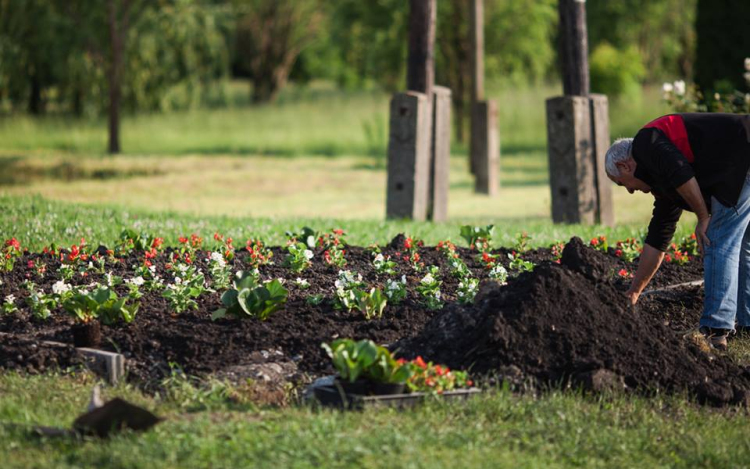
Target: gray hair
[619, 152]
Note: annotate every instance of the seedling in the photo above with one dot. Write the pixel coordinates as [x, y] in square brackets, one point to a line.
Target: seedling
[477, 237]
[102, 304]
[250, 299]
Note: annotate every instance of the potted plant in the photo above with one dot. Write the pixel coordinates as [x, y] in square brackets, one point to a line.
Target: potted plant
[89, 308]
[365, 368]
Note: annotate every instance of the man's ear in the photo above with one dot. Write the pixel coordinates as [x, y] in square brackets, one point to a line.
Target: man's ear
[627, 166]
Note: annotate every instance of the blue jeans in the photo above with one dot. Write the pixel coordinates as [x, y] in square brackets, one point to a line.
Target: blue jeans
[726, 264]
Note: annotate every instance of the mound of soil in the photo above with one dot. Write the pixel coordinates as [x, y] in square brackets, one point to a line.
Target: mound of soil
[569, 323]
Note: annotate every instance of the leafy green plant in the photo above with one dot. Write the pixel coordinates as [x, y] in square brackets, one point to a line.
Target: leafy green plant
[346, 283]
[298, 257]
[248, 298]
[130, 240]
[189, 283]
[333, 247]
[258, 253]
[10, 252]
[102, 304]
[41, 305]
[458, 268]
[306, 235]
[221, 272]
[315, 299]
[395, 290]
[371, 303]
[429, 289]
[365, 359]
[522, 242]
[383, 265]
[629, 249]
[429, 377]
[9, 305]
[467, 290]
[499, 274]
[519, 265]
[477, 237]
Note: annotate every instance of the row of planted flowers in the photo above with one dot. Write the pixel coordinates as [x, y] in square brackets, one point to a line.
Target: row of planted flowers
[176, 276]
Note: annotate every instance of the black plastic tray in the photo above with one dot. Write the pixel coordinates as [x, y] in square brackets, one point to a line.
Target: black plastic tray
[331, 396]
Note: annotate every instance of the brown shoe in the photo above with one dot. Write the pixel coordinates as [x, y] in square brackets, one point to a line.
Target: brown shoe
[717, 338]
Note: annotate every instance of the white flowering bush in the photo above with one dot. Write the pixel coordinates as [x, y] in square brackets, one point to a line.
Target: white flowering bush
[345, 284]
[429, 289]
[499, 274]
[689, 98]
[383, 264]
[9, 305]
[298, 257]
[301, 283]
[220, 271]
[467, 290]
[395, 290]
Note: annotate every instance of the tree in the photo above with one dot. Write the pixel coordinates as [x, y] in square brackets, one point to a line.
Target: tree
[271, 34]
[723, 33]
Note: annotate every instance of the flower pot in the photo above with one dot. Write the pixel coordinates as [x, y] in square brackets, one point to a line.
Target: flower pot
[363, 387]
[88, 334]
[386, 389]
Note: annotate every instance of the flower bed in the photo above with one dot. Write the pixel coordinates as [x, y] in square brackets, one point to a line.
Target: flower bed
[298, 296]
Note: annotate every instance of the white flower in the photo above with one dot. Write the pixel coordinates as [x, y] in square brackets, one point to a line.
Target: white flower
[667, 87]
[302, 282]
[679, 87]
[152, 269]
[437, 294]
[379, 259]
[308, 254]
[60, 287]
[10, 299]
[403, 279]
[428, 279]
[182, 267]
[137, 281]
[177, 281]
[747, 64]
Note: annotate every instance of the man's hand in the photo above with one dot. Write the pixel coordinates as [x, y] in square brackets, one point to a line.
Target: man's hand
[632, 297]
[700, 234]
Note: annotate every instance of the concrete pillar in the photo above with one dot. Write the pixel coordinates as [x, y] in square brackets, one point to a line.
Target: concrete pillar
[571, 163]
[599, 109]
[441, 152]
[485, 144]
[409, 148]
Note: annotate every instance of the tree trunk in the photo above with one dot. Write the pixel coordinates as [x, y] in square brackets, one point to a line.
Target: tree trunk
[36, 104]
[117, 32]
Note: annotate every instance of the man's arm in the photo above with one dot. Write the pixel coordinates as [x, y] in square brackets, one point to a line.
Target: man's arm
[648, 264]
[691, 193]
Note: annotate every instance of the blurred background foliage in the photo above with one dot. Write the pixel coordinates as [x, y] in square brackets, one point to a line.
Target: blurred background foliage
[56, 55]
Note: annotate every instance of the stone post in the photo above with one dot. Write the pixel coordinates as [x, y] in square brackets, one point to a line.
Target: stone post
[441, 152]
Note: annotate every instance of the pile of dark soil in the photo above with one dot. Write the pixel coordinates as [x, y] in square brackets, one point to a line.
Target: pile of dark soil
[569, 323]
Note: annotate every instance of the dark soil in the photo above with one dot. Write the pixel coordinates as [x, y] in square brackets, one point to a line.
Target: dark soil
[565, 323]
[557, 322]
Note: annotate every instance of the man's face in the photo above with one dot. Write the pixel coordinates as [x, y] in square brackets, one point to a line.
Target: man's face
[627, 179]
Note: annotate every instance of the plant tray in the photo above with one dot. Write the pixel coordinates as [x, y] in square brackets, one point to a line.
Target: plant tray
[331, 396]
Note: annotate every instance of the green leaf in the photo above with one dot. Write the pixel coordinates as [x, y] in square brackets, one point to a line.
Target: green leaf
[218, 314]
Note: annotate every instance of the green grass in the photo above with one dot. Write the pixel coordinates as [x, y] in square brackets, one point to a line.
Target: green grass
[317, 120]
[37, 222]
[499, 429]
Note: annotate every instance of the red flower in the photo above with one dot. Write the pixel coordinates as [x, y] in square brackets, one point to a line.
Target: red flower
[183, 239]
[408, 244]
[668, 258]
[594, 242]
[156, 244]
[13, 242]
[338, 231]
[151, 254]
[618, 252]
[469, 382]
[218, 237]
[622, 273]
[420, 362]
[30, 264]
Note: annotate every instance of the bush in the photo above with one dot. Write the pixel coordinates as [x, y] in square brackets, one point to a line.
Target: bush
[614, 72]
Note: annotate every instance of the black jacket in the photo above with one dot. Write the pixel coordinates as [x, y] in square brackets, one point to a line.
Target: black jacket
[721, 146]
